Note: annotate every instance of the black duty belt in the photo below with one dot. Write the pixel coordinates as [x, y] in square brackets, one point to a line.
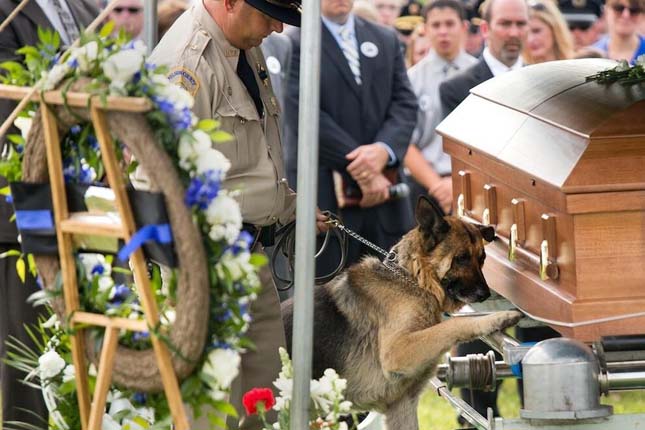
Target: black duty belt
[265, 235]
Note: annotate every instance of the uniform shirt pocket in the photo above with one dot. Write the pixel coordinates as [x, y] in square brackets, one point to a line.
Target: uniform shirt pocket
[239, 120]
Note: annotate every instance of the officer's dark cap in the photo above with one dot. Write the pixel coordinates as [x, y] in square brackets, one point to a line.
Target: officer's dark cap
[287, 11]
[577, 12]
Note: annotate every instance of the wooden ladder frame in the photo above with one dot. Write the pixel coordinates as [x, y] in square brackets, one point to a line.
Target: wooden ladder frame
[67, 225]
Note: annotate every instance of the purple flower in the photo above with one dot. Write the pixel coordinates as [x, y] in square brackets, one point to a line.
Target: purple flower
[76, 129]
[73, 63]
[202, 190]
[150, 66]
[39, 282]
[227, 315]
[8, 198]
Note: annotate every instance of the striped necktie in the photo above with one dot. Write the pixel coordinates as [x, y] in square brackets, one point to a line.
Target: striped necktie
[69, 25]
[351, 54]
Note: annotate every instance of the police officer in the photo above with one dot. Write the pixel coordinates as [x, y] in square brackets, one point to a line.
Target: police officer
[212, 52]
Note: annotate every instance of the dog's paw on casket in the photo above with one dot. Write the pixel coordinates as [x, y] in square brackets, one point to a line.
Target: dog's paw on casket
[499, 321]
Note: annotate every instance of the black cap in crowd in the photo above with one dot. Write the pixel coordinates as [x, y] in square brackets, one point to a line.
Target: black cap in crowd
[581, 13]
[287, 11]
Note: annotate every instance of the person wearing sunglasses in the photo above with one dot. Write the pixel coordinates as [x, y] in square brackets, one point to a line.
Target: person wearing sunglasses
[623, 20]
[549, 37]
[128, 15]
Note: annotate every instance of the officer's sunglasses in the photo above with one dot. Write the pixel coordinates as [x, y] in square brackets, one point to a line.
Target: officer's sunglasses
[132, 10]
[620, 8]
[582, 26]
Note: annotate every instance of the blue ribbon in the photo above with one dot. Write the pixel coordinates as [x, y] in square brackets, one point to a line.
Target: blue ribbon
[27, 220]
[159, 233]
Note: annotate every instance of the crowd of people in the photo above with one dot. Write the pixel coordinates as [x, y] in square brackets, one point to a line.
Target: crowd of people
[390, 72]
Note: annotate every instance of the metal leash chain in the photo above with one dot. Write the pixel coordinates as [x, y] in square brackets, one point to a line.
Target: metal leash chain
[390, 258]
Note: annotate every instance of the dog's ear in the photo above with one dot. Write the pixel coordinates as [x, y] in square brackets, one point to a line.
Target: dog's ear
[431, 223]
[488, 232]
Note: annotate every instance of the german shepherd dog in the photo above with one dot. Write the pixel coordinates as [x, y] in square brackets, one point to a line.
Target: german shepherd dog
[385, 334]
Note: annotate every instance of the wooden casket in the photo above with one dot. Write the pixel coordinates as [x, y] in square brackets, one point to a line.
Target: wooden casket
[557, 165]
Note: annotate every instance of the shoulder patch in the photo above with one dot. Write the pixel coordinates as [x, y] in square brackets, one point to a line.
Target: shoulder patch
[184, 78]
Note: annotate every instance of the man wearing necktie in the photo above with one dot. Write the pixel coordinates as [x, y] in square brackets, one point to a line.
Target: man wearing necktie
[367, 113]
[504, 27]
[67, 17]
[429, 166]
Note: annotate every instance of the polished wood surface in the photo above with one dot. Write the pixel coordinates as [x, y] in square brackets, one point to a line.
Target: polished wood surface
[566, 160]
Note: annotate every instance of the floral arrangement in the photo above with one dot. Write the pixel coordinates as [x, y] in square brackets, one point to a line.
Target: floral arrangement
[623, 73]
[118, 66]
[328, 404]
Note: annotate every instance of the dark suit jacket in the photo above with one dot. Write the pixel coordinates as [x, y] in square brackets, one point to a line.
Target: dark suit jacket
[22, 31]
[456, 89]
[382, 109]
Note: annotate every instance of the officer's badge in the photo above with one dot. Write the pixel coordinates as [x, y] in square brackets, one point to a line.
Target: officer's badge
[579, 3]
[184, 78]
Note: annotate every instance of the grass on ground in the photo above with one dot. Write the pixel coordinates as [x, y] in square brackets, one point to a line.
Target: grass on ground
[436, 414]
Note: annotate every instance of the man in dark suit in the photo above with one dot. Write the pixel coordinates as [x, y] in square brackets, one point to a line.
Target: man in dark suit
[505, 28]
[20, 402]
[367, 114]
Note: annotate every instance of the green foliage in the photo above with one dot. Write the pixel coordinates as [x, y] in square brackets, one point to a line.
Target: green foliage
[622, 73]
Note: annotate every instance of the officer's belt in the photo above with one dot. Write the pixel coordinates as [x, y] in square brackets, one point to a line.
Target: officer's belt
[263, 234]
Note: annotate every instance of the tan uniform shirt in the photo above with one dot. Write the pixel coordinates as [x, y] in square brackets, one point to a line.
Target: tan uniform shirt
[202, 61]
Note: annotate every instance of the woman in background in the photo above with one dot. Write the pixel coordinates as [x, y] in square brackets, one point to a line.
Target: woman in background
[549, 37]
[624, 18]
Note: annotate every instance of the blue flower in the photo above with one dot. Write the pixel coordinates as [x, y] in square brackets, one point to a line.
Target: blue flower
[150, 66]
[139, 336]
[137, 77]
[19, 148]
[243, 243]
[227, 315]
[202, 190]
[121, 292]
[140, 398]
[76, 129]
[73, 63]
[98, 269]
[94, 144]
[39, 282]
[220, 345]
[8, 198]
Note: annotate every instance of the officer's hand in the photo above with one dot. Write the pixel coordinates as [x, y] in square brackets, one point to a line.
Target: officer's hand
[442, 191]
[367, 161]
[375, 191]
[321, 224]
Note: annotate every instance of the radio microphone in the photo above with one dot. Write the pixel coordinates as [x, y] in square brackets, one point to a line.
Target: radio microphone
[399, 191]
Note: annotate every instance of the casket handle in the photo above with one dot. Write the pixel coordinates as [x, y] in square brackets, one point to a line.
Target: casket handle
[464, 198]
[489, 215]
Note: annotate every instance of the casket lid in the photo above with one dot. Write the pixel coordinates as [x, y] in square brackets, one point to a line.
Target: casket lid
[550, 122]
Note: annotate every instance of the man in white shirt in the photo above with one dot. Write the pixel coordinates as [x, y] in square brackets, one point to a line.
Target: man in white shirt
[429, 166]
[504, 27]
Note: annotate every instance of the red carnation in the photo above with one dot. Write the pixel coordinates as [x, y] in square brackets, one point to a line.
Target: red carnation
[251, 399]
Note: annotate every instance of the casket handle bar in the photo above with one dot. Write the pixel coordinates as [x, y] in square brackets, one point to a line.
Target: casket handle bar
[548, 268]
[464, 202]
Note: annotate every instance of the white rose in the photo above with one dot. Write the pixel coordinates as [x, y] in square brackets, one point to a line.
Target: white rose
[24, 125]
[86, 55]
[54, 76]
[69, 374]
[640, 61]
[212, 159]
[105, 284]
[224, 210]
[50, 364]
[51, 322]
[176, 95]
[109, 423]
[122, 66]
[147, 414]
[118, 405]
[223, 366]
[140, 47]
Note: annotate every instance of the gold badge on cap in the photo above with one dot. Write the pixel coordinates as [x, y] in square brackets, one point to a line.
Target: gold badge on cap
[184, 78]
[579, 3]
